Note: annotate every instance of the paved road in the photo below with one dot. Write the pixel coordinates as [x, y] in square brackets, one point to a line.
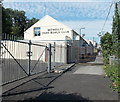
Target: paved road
[89, 69]
[82, 82]
[81, 85]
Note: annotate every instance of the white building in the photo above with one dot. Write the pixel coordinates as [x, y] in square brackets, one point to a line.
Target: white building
[49, 29]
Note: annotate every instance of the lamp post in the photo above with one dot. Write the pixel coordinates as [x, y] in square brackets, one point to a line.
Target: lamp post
[99, 50]
[80, 41]
[100, 34]
[80, 34]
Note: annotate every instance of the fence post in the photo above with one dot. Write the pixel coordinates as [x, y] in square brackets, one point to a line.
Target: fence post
[61, 54]
[0, 51]
[29, 58]
[54, 55]
[49, 58]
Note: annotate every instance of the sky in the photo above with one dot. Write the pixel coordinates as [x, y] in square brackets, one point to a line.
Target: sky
[76, 14]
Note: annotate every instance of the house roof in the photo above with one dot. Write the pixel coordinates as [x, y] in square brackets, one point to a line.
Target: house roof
[89, 42]
[48, 21]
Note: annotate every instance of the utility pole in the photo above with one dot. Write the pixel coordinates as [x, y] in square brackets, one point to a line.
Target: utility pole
[80, 34]
[0, 51]
[80, 42]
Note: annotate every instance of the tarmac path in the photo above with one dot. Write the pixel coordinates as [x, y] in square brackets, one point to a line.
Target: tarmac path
[81, 82]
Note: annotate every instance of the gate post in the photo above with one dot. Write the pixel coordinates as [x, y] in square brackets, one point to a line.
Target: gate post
[61, 54]
[0, 50]
[29, 58]
[49, 58]
[54, 55]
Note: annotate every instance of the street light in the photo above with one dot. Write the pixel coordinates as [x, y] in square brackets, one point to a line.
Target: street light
[81, 29]
[80, 34]
[83, 35]
[80, 41]
[100, 34]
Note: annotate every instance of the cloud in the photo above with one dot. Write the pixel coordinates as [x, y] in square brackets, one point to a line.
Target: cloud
[92, 28]
[62, 11]
[91, 15]
[57, 0]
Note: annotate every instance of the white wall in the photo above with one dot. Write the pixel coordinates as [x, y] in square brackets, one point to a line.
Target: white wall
[19, 51]
[51, 29]
[46, 35]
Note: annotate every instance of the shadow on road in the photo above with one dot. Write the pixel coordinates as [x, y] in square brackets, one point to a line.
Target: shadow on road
[89, 58]
[42, 84]
[23, 92]
[58, 96]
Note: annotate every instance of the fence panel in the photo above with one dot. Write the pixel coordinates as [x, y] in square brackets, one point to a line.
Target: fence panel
[38, 58]
[24, 58]
[58, 55]
[14, 60]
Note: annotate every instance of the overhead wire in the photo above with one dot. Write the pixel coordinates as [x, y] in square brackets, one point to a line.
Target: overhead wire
[107, 16]
[95, 19]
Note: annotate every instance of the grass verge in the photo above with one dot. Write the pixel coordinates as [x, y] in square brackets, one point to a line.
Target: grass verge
[112, 71]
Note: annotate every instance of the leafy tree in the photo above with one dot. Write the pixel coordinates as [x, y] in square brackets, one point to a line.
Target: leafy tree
[13, 22]
[116, 32]
[30, 22]
[18, 22]
[6, 21]
[106, 44]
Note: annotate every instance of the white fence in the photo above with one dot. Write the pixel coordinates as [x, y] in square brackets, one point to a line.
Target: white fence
[21, 59]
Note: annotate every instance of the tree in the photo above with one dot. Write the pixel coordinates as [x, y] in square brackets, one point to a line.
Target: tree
[13, 22]
[30, 22]
[116, 32]
[6, 21]
[106, 44]
[18, 23]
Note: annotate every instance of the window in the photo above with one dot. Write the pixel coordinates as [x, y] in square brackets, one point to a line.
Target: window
[37, 31]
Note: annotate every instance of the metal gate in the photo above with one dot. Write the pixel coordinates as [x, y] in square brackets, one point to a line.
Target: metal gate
[21, 59]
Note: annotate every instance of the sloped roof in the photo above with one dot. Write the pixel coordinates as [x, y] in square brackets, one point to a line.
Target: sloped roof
[48, 21]
[89, 42]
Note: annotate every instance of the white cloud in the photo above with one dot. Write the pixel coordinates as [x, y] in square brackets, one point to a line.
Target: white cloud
[58, 0]
[80, 13]
[61, 11]
[92, 28]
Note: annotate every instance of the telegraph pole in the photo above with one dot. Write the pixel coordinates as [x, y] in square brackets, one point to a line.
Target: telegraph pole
[0, 50]
[80, 42]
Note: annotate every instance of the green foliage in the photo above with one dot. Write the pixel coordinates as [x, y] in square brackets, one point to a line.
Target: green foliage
[116, 32]
[30, 22]
[112, 73]
[6, 20]
[106, 44]
[110, 44]
[15, 22]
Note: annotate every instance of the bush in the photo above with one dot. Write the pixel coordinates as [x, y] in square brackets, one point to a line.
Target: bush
[112, 73]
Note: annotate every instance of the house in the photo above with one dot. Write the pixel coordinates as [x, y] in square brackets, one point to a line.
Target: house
[89, 47]
[49, 29]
